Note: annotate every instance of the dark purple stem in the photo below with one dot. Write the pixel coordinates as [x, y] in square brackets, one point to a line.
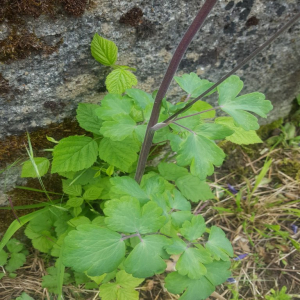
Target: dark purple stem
[174, 63]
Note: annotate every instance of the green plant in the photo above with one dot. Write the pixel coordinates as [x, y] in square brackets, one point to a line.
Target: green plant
[13, 258]
[278, 295]
[117, 230]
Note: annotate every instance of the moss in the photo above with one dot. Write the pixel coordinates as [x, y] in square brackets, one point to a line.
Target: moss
[21, 44]
[265, 131]
[290, 167]
[74, 7]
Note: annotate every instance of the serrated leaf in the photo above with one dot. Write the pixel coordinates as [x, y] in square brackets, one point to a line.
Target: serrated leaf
[119, 80]
[194, 288]
[71, 189]
[193, 85]
[92, 193]
[122, 289]
[141, 98]
[16, 261]
[126, 215]
[171, 171]
[128, 186]
[3, 257]
[93, 250]
[74, 153]
[239, 107]
[219, 245]
[42, 165]
[201, 154]
[193, 229]
[119, 154]
[74, 202]
[145, 259]
[79, 221]
[214, 131]
[118, 129]
[217, 272]
[103, 50]
[14, 246]
[87, 117]
[113, 105]
[193, 188]
[240, 135]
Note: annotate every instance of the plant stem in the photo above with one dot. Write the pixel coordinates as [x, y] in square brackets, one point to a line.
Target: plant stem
[193, 132]
[174, 63]
[239, 66]
[198, 113]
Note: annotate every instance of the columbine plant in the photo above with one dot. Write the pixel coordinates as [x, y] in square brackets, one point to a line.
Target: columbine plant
[117, 226]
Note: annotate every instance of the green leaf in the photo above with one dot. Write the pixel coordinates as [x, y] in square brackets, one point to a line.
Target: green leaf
[92, 193]
[14, 246]
[171, 171]
[178, 246]
[217, 272]
[119, 129]
[193, 229]
[178, 202]
[79, 221]
[240, 135]
[122, 289]
[194, 288]
[87, 117]
[103, 50]
[75, 202]
[193, 188]
[179, 217]
[93, 250]
[24, 296]
[112, 106]
[153, 184]
[201, 154]
[141, 98]
[3, 257]
[126, 215]
[193, 85]
[119, 80]
[238, 107]
[40, 168]
[145, 259]
[214, 131]
[128, 186]
[71, 189]
[121, 154]
[218, 244]
[74, 153]
[16, 261]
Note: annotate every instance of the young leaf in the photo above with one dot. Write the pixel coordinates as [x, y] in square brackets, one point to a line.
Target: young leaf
[103, 50]
[193, 188]
[126, 215]
[193, 229]
[119, 80]
[128, 186]
[119, 154]
[194, 288]
[201, 154]
[112, 106]
[218, 244]
[171, 171]
[238, 107]
[193, 85]
[93, 250]
[74, 153]
[16, 261]
[119, 129]
[240, 135]
[149, 253]
[122, 289]
[14, 246]
[28, 169]
[87, 117]
[3, 257]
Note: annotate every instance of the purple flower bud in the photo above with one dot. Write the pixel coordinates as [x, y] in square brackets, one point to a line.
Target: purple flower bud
[241, 256]
[231, 280]
[294, 228]
[232, 189]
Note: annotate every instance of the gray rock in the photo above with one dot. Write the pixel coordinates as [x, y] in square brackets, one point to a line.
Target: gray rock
[46, 88]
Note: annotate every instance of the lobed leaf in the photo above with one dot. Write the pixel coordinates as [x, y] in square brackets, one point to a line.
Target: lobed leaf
[119, 80]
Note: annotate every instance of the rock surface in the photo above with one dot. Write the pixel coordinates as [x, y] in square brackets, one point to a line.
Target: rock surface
[58, 72]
